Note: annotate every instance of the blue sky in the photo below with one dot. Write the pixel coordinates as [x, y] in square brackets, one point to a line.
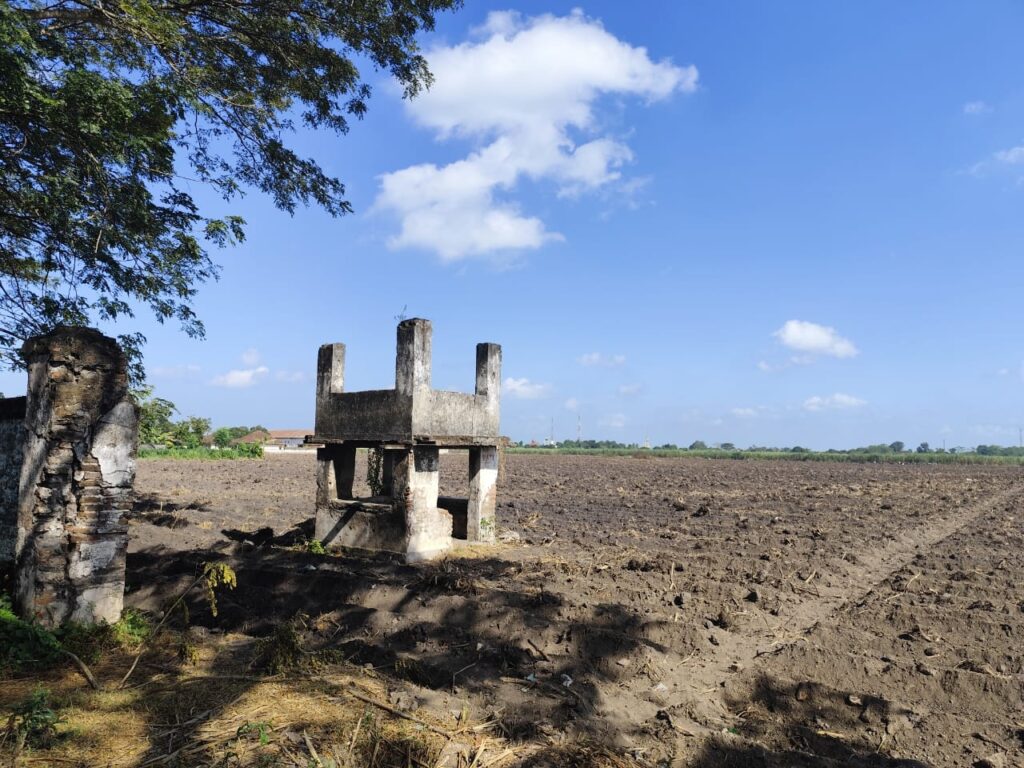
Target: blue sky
[764, 223]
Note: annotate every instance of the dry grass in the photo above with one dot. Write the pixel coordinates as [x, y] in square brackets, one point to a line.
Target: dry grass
[217, 713]
[209, 715]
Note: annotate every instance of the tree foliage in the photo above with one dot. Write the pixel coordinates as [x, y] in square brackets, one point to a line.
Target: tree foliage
[157, 428]
[110, 110]
[224, 436]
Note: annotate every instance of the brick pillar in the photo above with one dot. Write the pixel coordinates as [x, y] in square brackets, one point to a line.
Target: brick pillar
[76, 479]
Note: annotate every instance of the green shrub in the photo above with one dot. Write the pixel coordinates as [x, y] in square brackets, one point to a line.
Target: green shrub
[23, 645]
[315, 547]
[240, 451]
[34, 721]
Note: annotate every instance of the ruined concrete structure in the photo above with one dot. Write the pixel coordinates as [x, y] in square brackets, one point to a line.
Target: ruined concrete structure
[410, 424]
[67, 477]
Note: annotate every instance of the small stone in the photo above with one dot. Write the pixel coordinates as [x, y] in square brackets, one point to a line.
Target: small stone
[995, 760]
[803, 692]
[854, 700]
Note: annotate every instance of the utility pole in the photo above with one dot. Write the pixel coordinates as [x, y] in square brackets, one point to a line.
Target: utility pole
[579, 429]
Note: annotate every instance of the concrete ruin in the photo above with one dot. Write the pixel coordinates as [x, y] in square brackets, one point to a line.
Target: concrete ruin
[410, 425]
[68, 469]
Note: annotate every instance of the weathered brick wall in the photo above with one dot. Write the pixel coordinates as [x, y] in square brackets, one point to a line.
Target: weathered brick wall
[12, 445]
[76, 478]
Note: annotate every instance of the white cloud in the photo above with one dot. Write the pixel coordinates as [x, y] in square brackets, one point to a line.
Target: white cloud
[615, 421]
[1011, 156]
[814, 339]
[838, 401]
[251, 357]
[976, 108]
[290, 377]
[524, 389]
[572, 404]
[630, 390]
[240, 379]
[745, 413]
[592, 359]
[526, 90]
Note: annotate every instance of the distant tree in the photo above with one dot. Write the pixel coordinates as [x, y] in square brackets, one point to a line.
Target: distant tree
[896, 447]
[155, 413]
[698, 445]
[727, 446]
[923, 448]
[157, 428]
[189, 432]
[224, 436]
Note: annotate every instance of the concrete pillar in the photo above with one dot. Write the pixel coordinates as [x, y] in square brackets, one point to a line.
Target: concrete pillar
[330, 379]
[387, 472]
[336, 472]
[428, 528]
[483, 482]
[488, 371]
[76, 479]
[412, 361]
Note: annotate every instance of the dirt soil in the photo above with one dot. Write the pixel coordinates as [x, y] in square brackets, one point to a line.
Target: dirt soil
[685, 612]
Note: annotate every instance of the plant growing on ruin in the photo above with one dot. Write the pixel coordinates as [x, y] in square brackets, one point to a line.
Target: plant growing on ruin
[110, 113]
[374, 469]
[315, 547]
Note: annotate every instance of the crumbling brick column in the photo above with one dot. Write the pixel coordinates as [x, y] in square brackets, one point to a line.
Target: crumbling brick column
[76, 480]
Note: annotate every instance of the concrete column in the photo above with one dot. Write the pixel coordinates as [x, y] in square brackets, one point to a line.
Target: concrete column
[76, 479]
[336, 472]
[387, 472]
[483, 482]
[488, 371]
[330, 378]
[428, 528]
[412, 361]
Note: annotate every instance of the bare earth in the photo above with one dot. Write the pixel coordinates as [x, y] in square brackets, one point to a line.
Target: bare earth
[687, 612]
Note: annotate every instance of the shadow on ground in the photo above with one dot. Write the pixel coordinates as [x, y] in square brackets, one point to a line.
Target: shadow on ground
[476, 628]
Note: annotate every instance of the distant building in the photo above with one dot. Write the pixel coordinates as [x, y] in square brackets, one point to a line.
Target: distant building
[258, 436]
[288, 438]
[277, 439]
